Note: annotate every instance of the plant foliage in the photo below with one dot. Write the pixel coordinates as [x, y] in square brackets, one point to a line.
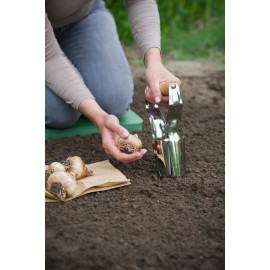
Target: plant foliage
[194, 28]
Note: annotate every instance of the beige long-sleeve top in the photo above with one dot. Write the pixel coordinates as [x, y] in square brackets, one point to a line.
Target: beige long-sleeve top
[145, 26]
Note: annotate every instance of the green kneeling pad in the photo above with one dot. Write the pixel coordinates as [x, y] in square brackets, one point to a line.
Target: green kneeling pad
[131, 121]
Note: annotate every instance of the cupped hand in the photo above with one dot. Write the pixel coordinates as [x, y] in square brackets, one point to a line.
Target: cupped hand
[111, 130]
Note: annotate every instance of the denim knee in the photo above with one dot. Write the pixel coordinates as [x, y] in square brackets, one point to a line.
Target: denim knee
[58, 114]
[61, 121]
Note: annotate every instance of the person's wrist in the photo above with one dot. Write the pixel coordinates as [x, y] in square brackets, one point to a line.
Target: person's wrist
[100, 120]
[153, 55]
[93, 112]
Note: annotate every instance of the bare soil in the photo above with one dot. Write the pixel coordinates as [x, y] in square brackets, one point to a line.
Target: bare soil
[150, 224]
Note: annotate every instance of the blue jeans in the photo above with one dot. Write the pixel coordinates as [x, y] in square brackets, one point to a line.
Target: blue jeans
[92, 45]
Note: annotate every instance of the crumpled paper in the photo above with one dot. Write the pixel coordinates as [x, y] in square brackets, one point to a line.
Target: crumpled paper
[105, 177]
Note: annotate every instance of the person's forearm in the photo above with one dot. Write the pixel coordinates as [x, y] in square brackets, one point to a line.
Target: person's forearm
[90, 109]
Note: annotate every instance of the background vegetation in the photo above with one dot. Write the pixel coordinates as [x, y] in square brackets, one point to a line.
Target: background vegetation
[193, 29]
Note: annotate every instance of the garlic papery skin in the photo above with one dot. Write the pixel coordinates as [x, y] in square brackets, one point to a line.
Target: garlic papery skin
[129, 145]
[54, 167]
[76, 165]
[61, 184]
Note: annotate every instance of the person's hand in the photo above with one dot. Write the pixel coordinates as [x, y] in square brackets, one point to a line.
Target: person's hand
[111, 130]
[156, 73]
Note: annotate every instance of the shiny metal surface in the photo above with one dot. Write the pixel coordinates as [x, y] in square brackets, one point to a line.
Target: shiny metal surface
[168, 139]
[157, 120]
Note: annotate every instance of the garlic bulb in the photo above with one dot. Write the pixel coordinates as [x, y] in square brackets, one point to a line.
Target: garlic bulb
[129, 145]
[61, 184]
[54, 167]
[76, 165]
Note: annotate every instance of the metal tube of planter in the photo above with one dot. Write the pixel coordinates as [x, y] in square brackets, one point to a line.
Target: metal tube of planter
[168, 139]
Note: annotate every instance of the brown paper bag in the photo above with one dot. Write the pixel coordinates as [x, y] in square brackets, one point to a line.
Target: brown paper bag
[105, 177]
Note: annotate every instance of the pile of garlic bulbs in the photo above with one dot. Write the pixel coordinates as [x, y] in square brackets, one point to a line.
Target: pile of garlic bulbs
[60, 178]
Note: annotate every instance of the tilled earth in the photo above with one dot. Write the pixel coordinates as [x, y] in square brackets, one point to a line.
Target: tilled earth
[150, 224]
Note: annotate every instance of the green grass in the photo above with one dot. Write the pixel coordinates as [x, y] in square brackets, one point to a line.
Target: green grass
[189, 29]
[207, 43]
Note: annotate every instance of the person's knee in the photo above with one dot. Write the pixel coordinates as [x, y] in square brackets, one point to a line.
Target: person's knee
[58, 114]
[62, 120]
